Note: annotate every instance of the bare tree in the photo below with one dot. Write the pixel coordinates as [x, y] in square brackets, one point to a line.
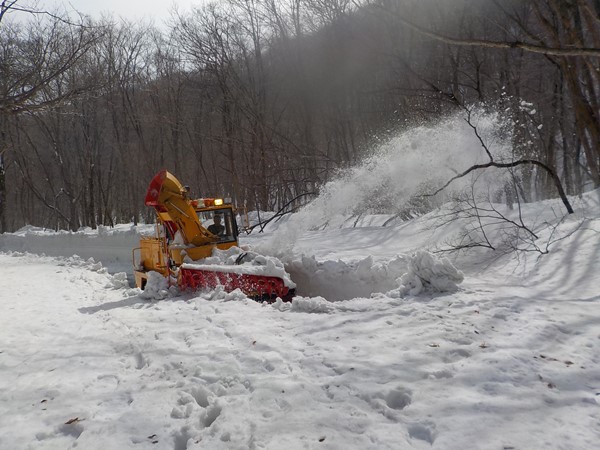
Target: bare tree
[565, 34]
[265, 100]
[32, 63]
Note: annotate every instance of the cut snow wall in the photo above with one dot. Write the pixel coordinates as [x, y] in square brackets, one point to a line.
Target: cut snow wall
[111, 246]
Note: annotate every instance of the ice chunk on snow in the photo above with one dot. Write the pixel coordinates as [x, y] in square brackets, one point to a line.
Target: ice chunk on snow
[219, 294]
[119, 281]
[156, 288]
[311, 305]
[281, 305]
[425, 272]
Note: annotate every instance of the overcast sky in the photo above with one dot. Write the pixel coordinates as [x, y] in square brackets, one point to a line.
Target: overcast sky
[157, 10]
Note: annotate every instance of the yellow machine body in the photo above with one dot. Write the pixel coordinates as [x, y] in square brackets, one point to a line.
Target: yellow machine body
[181, 229]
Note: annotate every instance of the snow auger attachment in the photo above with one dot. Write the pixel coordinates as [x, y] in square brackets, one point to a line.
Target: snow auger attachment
[255, 286]
[196, 246]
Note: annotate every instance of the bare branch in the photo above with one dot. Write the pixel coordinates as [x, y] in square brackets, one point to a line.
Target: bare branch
[520, 162]
[6, 6]
[509, 165]
[529, 47]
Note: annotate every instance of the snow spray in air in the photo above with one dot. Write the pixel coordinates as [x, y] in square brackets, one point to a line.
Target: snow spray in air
[415, 162]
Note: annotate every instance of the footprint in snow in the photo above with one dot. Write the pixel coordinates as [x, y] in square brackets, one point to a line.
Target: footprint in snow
[183, 411]
[140, 361]
[210, 415]
[71, 428]
[461, 340]
[198, 396]
[181, 438]
[201, 395]
[422, 431]
[456, 355]
[399, 398]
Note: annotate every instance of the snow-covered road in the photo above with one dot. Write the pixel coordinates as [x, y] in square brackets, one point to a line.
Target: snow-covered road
[85, 362]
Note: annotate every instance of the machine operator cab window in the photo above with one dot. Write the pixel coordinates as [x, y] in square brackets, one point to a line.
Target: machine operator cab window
[220, 222]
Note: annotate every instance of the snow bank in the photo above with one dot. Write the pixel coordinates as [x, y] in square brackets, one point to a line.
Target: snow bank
[342, 280]
[117, 281]
[112, 246]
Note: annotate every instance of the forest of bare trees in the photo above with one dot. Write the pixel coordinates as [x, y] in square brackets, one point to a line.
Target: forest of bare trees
[264, 100]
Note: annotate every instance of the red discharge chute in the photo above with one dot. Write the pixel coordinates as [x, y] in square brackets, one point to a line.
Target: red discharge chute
[154, 189]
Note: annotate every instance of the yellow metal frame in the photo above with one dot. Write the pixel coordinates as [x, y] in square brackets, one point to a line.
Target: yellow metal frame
[173, 206]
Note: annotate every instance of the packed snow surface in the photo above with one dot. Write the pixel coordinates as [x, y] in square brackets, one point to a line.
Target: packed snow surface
[389, 344]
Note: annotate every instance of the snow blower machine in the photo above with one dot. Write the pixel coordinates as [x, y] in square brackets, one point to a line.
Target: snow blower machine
[196, 246]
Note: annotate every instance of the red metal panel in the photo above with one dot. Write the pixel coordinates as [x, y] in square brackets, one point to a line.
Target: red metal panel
[256, 286]
[154, 189]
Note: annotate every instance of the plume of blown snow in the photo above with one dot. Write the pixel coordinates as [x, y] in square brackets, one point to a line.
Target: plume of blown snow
[415, 162]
